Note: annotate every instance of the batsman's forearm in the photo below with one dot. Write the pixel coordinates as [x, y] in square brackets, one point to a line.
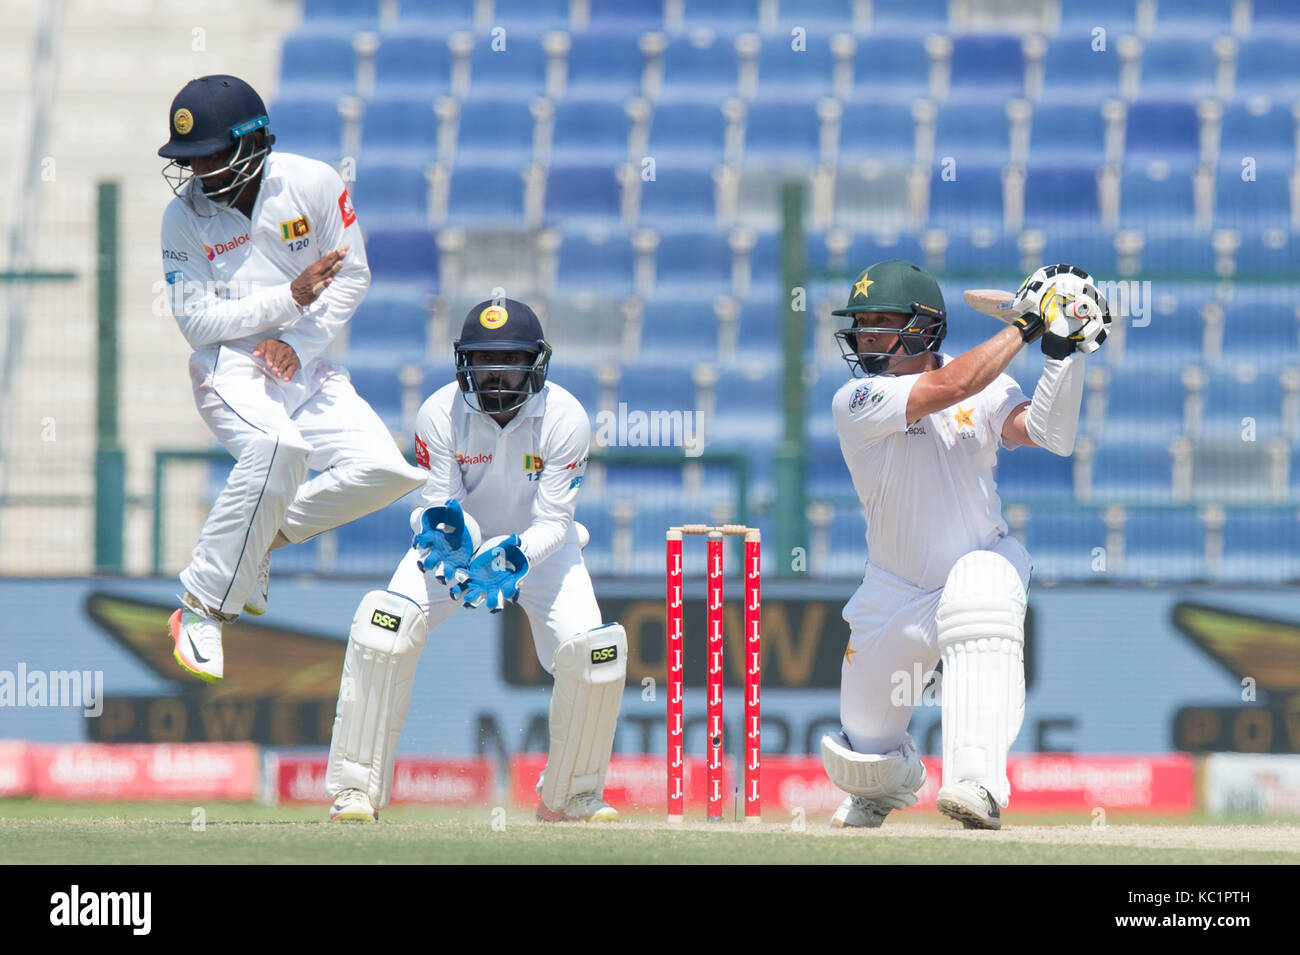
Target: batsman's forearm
[976, 369]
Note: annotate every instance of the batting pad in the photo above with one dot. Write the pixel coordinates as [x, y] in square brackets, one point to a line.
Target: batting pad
[981, 628]
[590, 670]
[893, 777]
[388, 633]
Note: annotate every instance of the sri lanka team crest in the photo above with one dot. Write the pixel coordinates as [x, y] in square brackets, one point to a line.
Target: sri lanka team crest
[295, 229]
[533, 462]
[183, 121]
[494, 316]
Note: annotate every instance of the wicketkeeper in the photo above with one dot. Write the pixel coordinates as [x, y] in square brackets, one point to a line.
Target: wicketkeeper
[920, 432]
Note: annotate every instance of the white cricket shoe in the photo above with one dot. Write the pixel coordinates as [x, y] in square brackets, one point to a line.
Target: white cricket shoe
[256, 602]
[970, 804]
[196, 631]
[352, 805]
[859, 812]
[584, 807]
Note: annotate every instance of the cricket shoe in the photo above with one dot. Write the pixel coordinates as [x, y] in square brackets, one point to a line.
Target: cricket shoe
[196, 631]
[256, 602]
[584, 807]
[970, 804]
[352, 805]
[859, 812]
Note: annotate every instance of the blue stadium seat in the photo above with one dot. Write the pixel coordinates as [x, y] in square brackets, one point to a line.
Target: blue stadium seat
[413, 65]
[973, 133]
[604, 66]
[1034, 476]
[1080, 17]
[378, 383]
[1075, 75]
[316, 67]
[579, 381]
[1063, 196]
[396, 195]
[1177, 253]
[1270, 252]
[917, 17]
[980, 251]
[817, 17]
[1067, 134]
[987, 68]
[699, 73]
[1201, 18]
[626, 16]
[402, 255]
[483, 196]
[973, 199]
[1260, 546]
[693, 262]
[495, 133]
[828, 475]
[441, 15]
[1097, 249]
[517, 72]
[747, 411]
[588, 131]
[1263, 334]
[401, 130]
[1275, 18]
[438, 374]
[384, 327]
[687, 134]
[582, 195]
[1261, 128]
[603, 262]
[873, 196]
[884, 131]
[671, 328]
[678, 199]
[664, 388]
[525, 17]
[1262, 203]
[724, 16]
[786, 75]
[890, 68]
[1061, 542]
[1164, 545]
[866, 248]
[1229, 400]
[307, 127]
[1162, 129]
[821, 423]
[848, 545]
[1146, 405]
[1265, 67]
[1168, 342]
[759, 335]
[782, 133]
[1178, 67]
[340, 17]
[1136, 471]
[376, 543]
[1163, 203]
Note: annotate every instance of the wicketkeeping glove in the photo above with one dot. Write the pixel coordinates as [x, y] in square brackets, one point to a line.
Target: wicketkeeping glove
[494, 574]
[445, 538]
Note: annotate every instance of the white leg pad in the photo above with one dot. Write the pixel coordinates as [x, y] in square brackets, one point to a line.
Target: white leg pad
[981, 629]
[892, 778]
[388, 633]
[590, 670]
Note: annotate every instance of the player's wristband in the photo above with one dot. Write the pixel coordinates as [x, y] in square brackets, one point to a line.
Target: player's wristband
[1031, 327]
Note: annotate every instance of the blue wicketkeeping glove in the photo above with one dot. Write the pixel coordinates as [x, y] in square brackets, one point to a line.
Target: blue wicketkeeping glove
[446, 540]
[494, 574]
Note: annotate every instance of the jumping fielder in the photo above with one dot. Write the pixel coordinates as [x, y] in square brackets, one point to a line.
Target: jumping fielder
[265, 264]
[920, 435]
[506, 452]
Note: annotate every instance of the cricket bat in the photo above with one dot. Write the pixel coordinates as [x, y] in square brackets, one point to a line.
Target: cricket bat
[991, 301]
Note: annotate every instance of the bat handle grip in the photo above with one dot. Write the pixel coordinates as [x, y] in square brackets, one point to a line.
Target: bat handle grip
[1080, 308]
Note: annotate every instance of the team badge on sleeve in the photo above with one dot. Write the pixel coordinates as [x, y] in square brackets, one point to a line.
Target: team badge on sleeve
[345, 207]
[296, 229]
[861, 396]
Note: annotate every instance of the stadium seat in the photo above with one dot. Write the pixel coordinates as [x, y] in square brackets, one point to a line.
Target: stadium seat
[1157, 199]
[1178, 67]
[817, 17]
[700, 67]
[890, 69]
[413, 65]
[747, 410]
[1202, 18]
[1140, 472]
[1166, 130]
[973, 199]
[604, 66]
[986, 68]
[377, 542]
[400, 130]
[1080, 17]
[917, 17]
[1230, 399]
[678, 199]
[981, 251]
[396, 195]
[723, 16]
[1177, 253]
[386, 328]
[485, 197]
[1263, 334]
[402, 255]
[495, 133]
[579, 381]
[1275, 18]
[663, 388]
[600, 261]
[516, 72]
[866, 248]
[380, 385]
[848, 545]
[307, 127]
[1076, 76]
[973, 133]
[1260, 127]
[1263, 202]
[626, 16]
[1163, 545]
[758, 195]
[1167, 342]
[588, 132]
[339, 17]
[687, 134]
[782, 133]
[671, 328]
[1032, 476]
[440, 15]
[787, 75]
[1061, 542]
[1064, 197]
[1146, 405]
[582, 195]
[1095, 249]
[1265, 67]
[530, 17]
[1259, 546]
[314, 67]
[1270, 252]
[884, 132]
[1067, 135]
[693, 263]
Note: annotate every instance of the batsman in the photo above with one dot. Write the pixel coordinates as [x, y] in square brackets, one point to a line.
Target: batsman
[920, 432]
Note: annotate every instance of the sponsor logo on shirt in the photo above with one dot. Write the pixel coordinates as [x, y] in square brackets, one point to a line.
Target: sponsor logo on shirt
[464, 459]
[174, 277]
[575, 464]
[345, 208]
[221, 248]
[294, 229]
[576, 482]
[862, 395]
[917, 428]
[176, 256]
[421, 453]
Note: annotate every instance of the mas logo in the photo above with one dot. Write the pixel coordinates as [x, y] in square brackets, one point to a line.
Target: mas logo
[294, 229]
[494, 316]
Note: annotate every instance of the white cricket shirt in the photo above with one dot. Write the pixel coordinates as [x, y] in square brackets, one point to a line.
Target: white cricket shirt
[521, 479]
[927, 486]
[228, 276]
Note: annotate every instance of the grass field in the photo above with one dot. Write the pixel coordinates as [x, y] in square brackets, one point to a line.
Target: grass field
[65, 834]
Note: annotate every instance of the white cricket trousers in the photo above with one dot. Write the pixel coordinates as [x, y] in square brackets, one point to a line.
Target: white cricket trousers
[277, 430]
[892, 639]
